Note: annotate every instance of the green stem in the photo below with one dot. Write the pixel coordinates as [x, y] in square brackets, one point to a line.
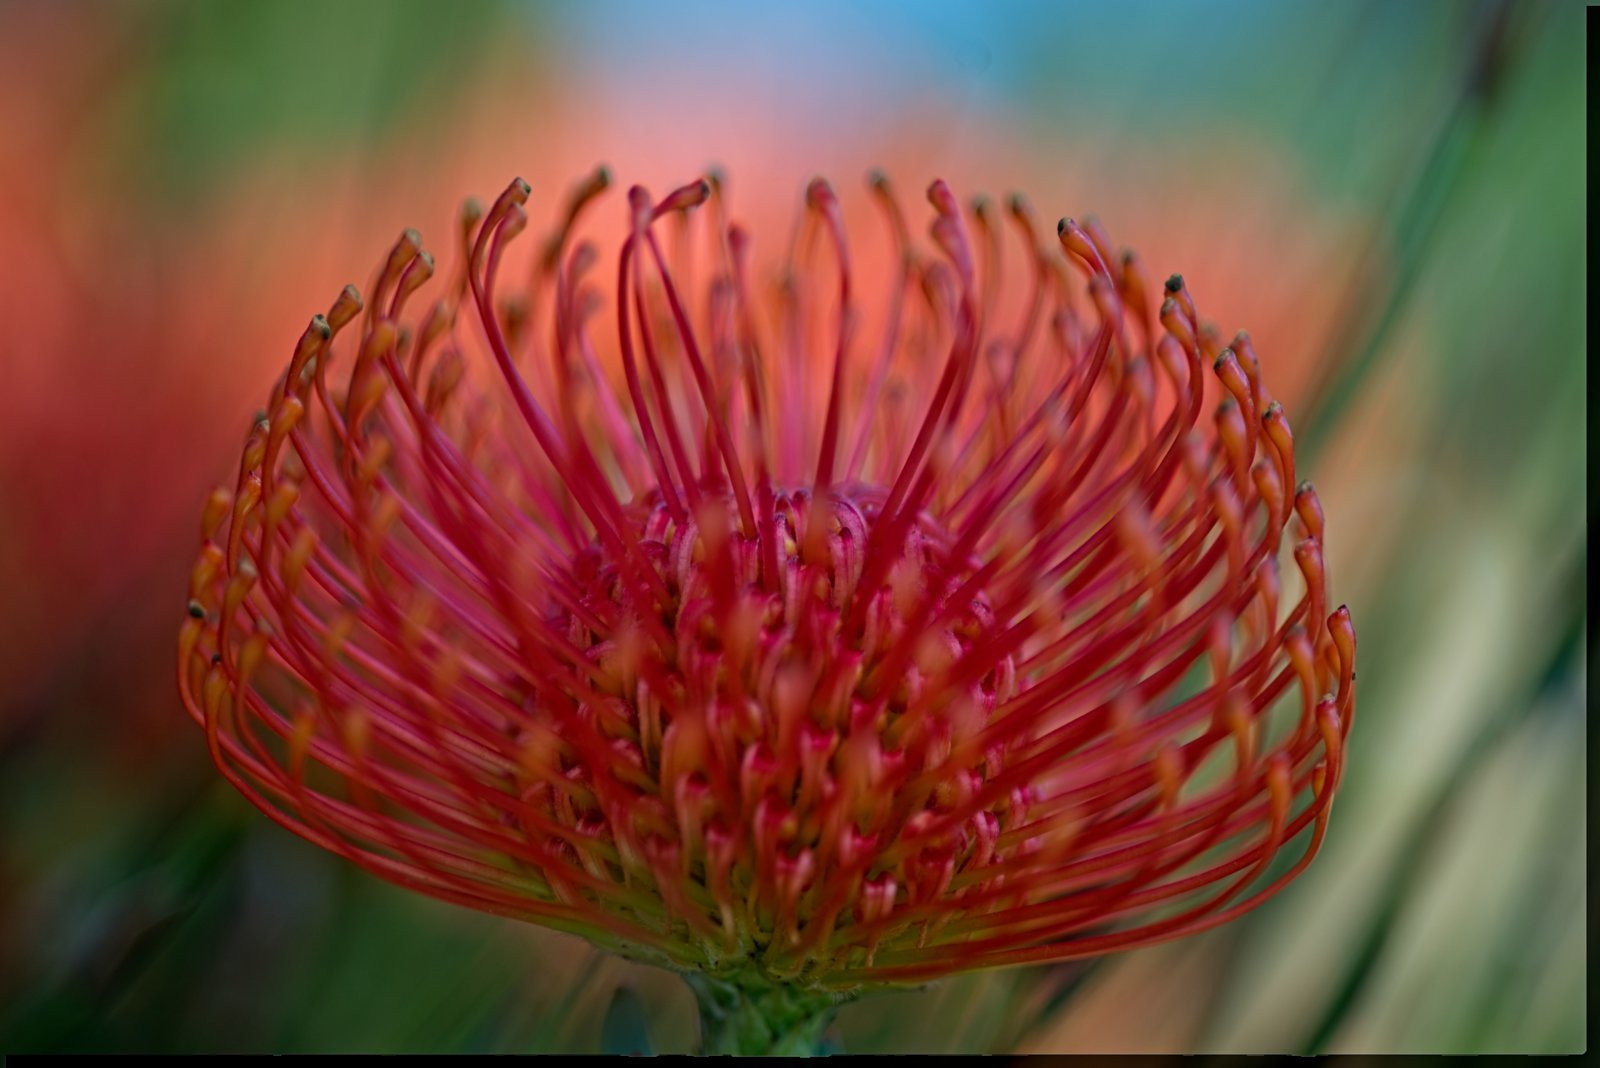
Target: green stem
[759, 1018]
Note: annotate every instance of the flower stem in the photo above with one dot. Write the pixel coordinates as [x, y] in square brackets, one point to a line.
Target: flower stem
[761, 1018]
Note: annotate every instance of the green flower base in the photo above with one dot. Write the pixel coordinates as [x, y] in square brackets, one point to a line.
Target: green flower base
[758, 1018]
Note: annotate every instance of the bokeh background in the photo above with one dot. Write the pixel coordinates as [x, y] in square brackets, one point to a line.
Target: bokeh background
[1389, 196]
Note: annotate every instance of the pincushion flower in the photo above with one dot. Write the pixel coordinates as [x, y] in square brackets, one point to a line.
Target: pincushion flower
[801, 631]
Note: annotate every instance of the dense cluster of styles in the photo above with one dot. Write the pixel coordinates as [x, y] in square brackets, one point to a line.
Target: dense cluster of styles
[775, 619]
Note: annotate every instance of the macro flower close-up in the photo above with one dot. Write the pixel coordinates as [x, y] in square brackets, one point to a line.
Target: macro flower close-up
[583, 529]
[861, 630]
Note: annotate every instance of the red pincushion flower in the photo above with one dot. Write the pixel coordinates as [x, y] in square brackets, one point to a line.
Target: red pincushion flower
[830, 633]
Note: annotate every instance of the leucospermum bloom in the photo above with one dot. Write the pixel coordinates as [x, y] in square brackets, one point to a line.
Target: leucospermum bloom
[798, 630]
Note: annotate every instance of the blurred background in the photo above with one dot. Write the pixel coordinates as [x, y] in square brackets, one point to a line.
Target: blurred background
[1389, 196]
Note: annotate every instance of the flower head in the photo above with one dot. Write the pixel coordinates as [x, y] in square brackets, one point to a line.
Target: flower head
[802, 626]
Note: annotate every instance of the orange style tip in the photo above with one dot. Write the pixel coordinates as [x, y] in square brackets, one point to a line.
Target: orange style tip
[982, 202]
[520, 190]
[1129, 257]
[1241, 339]
[1168, 307]
[1062, 226]
[411, 238]
[692, 195]
[319, 326]
[345, 307]
[471, 210]
[601, 178]
[197, 610]
[1222, 358]
[1304, 488]
[877, 179]
[1174, 284]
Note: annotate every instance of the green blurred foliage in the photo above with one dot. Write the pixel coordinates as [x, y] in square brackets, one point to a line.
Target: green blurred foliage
[1312, 77]
[151, 909]
[214, 85]
[1473, 623]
